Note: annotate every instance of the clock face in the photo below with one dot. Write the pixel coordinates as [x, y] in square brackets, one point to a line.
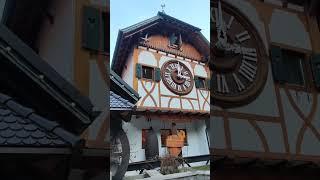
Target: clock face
[238, 59]
[177, 77]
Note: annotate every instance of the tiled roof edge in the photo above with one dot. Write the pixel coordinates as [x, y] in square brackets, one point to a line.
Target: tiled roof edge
[42, 122]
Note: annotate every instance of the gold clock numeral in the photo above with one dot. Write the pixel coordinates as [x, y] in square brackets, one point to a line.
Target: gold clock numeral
[241, 37]
[238, 82]
[179, 88]
[248, 70]
[222, 84]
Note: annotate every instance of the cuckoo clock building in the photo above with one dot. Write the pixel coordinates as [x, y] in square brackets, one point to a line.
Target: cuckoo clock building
[265, 89]
[165, 61]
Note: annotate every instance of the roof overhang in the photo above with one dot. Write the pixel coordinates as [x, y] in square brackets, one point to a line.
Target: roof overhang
[161, 23]
[37, 84]
[173, 115]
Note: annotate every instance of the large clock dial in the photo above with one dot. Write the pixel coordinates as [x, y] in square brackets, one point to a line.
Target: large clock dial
[177, 77]
[238, 62]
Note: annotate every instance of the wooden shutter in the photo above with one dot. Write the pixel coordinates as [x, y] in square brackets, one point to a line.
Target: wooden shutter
[315, 64]
[208, 83]
[138, 71]
[157, 75]
[278, 68]
[91, 29]
[196, 81]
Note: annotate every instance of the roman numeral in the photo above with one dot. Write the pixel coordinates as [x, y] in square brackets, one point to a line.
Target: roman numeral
[247, 70]
[238, 82]
[230, 22]
[187, 84]
[167, 74]
[250, 54]
[222, 84]
[179, 88]
[169, 80]
[185, 73]
[184, 87]
[173, 85]
[243, 36]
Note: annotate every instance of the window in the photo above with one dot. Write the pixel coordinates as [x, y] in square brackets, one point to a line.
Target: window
[147, 72]
[201, 83]
[294, 63]
[288, 66]
[95, 31]
[166, 132]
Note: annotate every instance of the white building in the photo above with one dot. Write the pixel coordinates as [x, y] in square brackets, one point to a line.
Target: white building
[165, 61]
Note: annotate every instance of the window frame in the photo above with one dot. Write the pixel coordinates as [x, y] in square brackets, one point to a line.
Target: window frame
[306, 68]
[153, 72]
[205, 83]
[301, 67]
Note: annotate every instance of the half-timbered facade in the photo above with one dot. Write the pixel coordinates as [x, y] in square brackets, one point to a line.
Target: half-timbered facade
[165, 61]
[265, 109]
[53, 60]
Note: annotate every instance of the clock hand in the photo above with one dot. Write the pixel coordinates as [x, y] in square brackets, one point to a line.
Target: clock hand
[221, 29]
[185, 77]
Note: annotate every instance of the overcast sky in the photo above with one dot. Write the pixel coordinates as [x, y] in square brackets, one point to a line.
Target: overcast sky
[125, 13]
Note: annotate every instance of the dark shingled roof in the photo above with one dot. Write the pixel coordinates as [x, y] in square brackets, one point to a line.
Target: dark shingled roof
[119, 103]
[20, 126]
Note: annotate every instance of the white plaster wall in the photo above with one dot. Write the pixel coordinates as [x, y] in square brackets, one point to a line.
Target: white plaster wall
[129, 72]
[293, 122]
[244, 136]
[199, 70]
[303, 100]
[273, 134]
[56, 41]
[217, 133]
[195, 104]
[147, 57]
[186, 104]
[286, 28]
[197, 140]
[202, 94]
[310, 144]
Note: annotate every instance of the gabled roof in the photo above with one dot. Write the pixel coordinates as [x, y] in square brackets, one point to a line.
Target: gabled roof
[30, 72]
[21, 126]
[128, 37]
